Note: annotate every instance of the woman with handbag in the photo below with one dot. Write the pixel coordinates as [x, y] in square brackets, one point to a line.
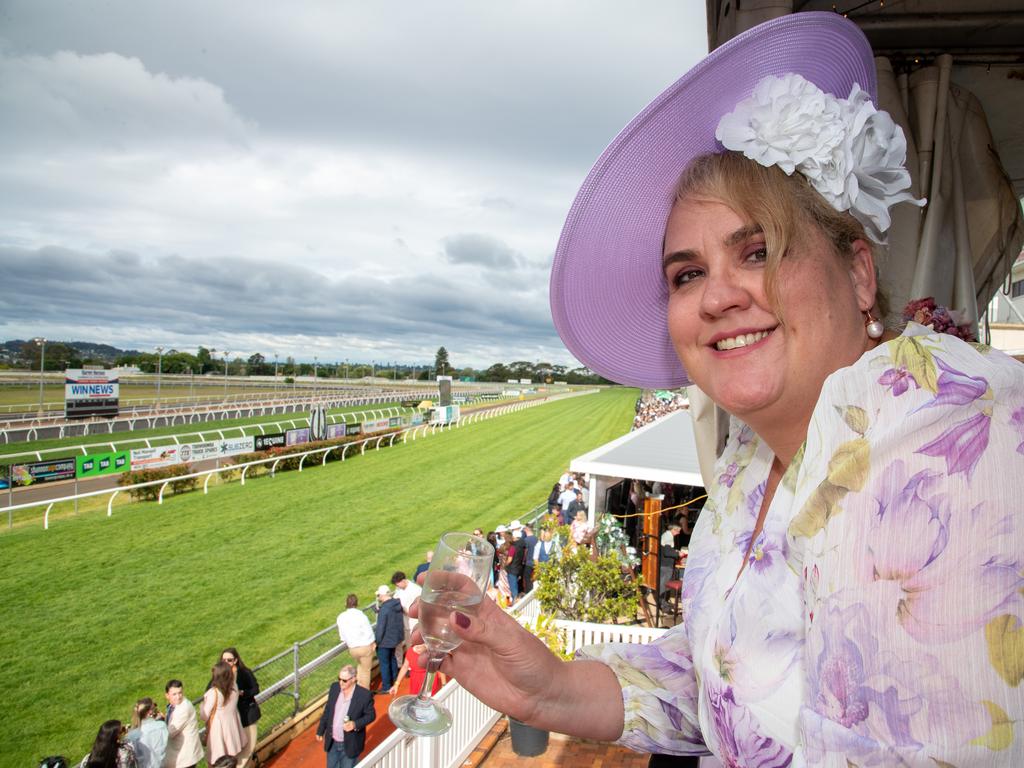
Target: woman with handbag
[224, 733]
[248, 710]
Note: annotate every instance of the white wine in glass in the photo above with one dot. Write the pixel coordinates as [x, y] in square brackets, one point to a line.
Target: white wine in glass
[455, 581]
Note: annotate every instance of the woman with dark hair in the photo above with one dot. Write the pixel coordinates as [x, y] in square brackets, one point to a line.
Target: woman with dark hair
[224, 734]
[109, 750]
[248, 710]
[556, 491]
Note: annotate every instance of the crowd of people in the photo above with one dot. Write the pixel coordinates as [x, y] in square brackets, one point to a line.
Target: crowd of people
[653, 404]
[171, 738]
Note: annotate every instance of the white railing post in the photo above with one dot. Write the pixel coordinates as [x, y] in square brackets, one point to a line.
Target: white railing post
[110, 504]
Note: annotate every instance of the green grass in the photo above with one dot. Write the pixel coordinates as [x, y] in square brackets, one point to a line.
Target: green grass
[100, 611]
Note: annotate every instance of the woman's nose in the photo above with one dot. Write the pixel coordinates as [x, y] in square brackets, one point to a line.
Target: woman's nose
[723, 292]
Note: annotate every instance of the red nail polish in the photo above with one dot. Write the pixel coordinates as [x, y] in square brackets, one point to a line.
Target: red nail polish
[462, 620]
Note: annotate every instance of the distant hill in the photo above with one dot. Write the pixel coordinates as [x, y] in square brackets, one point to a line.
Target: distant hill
[11, 350]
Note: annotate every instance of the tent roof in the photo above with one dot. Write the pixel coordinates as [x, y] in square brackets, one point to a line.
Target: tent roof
[663, 451]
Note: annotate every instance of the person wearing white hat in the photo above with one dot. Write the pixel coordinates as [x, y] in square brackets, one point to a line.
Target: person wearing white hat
[854, 594]
[389, 633]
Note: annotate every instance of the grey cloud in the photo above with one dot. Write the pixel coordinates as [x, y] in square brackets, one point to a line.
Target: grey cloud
[482, 250]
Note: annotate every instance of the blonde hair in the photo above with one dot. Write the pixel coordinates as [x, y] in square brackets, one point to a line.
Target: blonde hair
[143, 708]
[783, 206]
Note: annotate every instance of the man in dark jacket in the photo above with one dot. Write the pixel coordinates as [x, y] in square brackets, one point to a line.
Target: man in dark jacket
[390, 632]
[342, 727]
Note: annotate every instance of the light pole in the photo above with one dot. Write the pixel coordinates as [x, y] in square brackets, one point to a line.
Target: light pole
[226, 353]
[42, 364]
[275, 371]
[191, 384]
[346, 369]
[314, 370]
[159, 370]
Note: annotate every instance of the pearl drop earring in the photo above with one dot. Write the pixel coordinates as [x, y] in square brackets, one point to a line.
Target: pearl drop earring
[874, 327]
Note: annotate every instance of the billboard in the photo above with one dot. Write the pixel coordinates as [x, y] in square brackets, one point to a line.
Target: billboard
[90, 392]
[296, 436]
[353, 429]
[377, 425]
[214, 449]
[153, 458]
[42, 472]
[444, 390]
[335, 431]
[110, 463]
[266, 442]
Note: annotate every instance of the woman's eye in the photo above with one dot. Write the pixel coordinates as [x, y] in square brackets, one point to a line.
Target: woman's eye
[684, 276]
[759, 255]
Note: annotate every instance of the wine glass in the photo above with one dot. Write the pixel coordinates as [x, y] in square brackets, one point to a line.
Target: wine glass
[456, 580]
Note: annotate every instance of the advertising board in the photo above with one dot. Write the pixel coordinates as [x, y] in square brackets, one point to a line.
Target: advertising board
[214, 449]
[377, 425]
[42, 472]
[395, 421]
[353, 429]
[266, 442]
[96, 464]
[444, 390]
[296, 436]
[417, 419]
[154, 458]
[90, 392]
[335, 431]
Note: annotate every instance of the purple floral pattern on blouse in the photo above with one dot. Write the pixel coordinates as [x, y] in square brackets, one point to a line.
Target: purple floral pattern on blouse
[887, 627]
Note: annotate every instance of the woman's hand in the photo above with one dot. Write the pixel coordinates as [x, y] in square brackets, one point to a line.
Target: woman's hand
[499, 662]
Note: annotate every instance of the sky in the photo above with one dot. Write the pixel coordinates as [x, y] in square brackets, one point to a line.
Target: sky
[353, 180]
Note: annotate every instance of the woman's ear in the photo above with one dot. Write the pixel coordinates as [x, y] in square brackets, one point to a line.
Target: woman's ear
[862, 274]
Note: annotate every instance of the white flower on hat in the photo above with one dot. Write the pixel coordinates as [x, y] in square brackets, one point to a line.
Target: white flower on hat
[852, 153]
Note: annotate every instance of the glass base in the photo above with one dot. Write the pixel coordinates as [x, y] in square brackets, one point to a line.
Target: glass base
[423, 718]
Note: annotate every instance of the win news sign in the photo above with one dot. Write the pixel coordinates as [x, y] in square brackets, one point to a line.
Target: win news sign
[90, 392]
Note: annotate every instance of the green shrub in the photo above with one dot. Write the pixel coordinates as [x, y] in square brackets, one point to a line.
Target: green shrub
[151, 492]
[579, 587]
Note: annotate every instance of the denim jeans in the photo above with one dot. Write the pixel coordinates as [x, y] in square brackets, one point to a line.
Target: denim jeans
[336, 757]
[388, 666]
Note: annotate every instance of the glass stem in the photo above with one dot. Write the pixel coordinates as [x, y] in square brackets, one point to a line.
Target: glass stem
[433, 664]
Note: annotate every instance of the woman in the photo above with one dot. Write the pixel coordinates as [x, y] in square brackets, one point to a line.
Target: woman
[148, 734]
[411, 666]
[224, 733]
[248, 710]
[855, 586]
[109, 750]
[580, 530]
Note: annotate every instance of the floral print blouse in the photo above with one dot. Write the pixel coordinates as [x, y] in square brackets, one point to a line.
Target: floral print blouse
[878, 620]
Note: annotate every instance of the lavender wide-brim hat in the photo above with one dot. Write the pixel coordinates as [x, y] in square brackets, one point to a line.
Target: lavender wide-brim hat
[608, 292]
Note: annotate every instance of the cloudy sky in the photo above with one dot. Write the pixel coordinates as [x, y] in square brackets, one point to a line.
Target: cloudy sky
[363, 180]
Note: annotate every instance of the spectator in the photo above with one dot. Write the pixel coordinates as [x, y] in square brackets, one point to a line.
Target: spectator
[565, 498]
[110, 750]
[356, 632]
[424, 566]
[501, 556]
[563, 481]
[389, 633]
[492, 539]
[148, 734]
[411, 667]
[576, 505]
[651, 406]
[406, 592]
[515, 561]
[530, 542]
[184, 749]
[248, 710]
[342, 727]
[580, 531]
[669, 555]
[556, 490]
[224, 733]
[546, 548]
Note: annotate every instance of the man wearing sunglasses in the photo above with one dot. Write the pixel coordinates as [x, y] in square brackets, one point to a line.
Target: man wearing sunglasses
[342, 727]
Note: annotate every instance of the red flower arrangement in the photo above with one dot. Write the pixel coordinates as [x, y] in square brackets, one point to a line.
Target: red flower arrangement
[941, 320]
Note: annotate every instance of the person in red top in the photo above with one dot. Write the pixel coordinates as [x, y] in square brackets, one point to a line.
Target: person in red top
[416, 673]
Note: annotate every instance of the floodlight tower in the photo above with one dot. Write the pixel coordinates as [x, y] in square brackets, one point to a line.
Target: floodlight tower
[226, 353]
[42, 360]
[159, 371]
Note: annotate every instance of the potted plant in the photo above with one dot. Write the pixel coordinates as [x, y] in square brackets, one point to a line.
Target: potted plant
[528, 741]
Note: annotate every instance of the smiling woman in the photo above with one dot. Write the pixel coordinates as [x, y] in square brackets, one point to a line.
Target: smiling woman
[854, 591]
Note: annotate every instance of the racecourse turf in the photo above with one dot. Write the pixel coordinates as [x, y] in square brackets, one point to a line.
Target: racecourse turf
[101, 611]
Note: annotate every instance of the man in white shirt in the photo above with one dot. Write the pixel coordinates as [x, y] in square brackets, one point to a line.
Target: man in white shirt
[406, 592]
[356, 632]
[184, 750]
[565, 498]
